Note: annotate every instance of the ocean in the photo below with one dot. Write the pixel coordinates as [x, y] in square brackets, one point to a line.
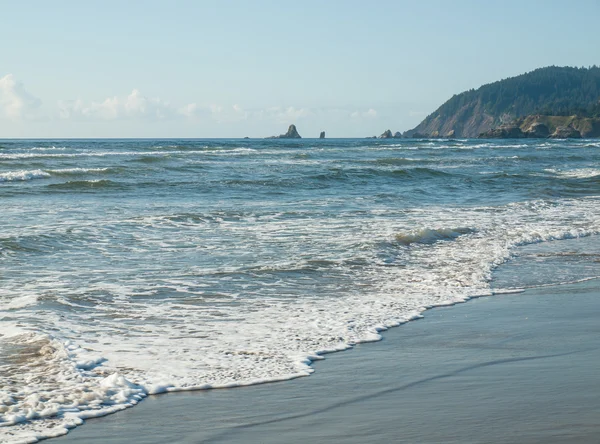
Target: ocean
[135, 267]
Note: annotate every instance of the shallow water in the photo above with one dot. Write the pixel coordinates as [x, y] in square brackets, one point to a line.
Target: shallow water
[137, 266]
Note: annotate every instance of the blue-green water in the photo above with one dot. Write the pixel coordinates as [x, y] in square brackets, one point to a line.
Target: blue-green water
[131, 267]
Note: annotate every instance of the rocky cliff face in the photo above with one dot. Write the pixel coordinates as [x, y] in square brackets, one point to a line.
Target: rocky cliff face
[469, 121]
[587, 127]
[541, 126]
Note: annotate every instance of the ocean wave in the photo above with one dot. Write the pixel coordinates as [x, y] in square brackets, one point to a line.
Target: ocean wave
[79, 171]
[75, 185]
[56, 404]
[49, 148]
[23, 175]
[429, 236]
[42, 242]
[400, 161]
[580, 173]
[140, 154]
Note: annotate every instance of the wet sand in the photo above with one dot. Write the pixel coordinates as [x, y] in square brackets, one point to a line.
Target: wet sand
[517, 368]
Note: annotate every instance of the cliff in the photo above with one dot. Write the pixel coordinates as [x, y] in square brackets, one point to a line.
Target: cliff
[540, 126]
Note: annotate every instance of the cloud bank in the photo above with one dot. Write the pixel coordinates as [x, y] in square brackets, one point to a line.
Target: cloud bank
[136, 114]
[133, 106]
[15, 102]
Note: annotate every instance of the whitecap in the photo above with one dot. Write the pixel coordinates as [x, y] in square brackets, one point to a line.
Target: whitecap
[23, 175]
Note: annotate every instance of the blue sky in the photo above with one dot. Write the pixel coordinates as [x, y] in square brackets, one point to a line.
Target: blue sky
[250, 68]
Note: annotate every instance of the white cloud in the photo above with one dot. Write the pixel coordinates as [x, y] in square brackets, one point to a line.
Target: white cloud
[15, 101]
[234, 117]
[227, 114]
[190, 110]
[133, 106]
[369, 114]
[280, 114]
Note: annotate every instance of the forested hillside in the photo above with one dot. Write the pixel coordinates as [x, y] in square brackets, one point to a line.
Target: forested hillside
[555, 91]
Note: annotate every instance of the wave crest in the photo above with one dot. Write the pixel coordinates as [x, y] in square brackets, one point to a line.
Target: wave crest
[429, 236]
[22, 175]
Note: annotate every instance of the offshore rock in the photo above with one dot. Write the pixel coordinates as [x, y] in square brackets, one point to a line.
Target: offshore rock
[503, 132]
[387, 135]
[292, 133]
[397, 135]
[565, 132]
[322, 135]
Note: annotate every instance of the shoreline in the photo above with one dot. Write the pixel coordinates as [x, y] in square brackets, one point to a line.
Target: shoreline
[378, 377]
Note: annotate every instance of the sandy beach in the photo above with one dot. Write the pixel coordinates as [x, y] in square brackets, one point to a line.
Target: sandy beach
[503, 369]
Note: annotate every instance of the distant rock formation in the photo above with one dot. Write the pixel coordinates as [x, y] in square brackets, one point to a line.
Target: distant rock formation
[543, 126]
[387, 135]
[371, 137]
[565, 132]
[537, 130]
[292, 133]
[322, 135]
[397, 135]
[503, 132]
[434, 135]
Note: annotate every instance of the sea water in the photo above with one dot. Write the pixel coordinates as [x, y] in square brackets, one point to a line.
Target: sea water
[133, 267]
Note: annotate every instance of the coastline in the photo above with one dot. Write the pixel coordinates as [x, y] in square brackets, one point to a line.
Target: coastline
[491, 370]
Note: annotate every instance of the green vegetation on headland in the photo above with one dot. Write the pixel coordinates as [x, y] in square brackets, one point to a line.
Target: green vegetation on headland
[555, 101]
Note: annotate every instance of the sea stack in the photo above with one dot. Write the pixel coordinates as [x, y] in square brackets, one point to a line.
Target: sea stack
[292, 133]
[387, 135]
[322, 135]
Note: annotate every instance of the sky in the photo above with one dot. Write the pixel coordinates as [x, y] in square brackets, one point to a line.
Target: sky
[200, 69]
